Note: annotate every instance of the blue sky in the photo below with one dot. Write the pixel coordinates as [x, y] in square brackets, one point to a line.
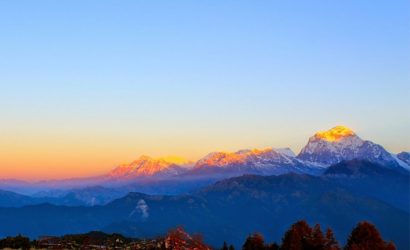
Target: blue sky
[94, 83]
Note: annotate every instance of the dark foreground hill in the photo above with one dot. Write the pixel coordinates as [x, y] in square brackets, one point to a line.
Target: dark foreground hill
[228, 210]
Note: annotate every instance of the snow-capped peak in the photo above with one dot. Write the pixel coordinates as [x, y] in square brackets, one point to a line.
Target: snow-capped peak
[341, 143]
[148, 166]
[285, 151]
[265, 160]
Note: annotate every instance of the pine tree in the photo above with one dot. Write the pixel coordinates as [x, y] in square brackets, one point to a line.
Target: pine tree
[225, 246]
[365, 236]
[231, 247]
[330, 241]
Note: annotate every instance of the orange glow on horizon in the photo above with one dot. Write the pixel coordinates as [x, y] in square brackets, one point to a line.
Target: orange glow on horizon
[43, 156]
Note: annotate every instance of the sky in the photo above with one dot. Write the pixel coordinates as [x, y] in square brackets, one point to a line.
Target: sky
[87, 85]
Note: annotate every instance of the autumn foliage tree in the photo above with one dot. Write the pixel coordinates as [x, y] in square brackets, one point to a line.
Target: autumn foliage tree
[330, 241]
[365, 236]
[302, 237]
[178, 239]
[296, 236]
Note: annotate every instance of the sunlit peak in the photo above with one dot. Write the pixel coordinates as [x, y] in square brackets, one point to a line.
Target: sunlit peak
[174, 160]
[335, 134]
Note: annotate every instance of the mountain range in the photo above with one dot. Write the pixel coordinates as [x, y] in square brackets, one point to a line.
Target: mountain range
[174, 175]
[322, 150]
[337, 180]
[343, 195]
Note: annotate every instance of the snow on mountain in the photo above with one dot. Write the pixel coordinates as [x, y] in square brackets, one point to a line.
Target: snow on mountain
[403, 159]
[286, 151]
[147, 166]
[323, 150]
[266, 161]
[341, 143]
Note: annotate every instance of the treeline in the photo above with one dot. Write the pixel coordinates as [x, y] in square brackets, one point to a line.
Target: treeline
[18, 242]
[301, 236]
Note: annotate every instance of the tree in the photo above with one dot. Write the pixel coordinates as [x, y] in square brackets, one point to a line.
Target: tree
[225, 246]
[231, 247]
[18, 242]
[390, 246]
[178, 239]
[365, 236]
[330, 241]
[314, 241]
[254, 242]
[295, 238]
[272, 246]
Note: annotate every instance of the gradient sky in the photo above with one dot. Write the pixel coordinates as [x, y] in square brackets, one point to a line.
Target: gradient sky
[86, 85]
